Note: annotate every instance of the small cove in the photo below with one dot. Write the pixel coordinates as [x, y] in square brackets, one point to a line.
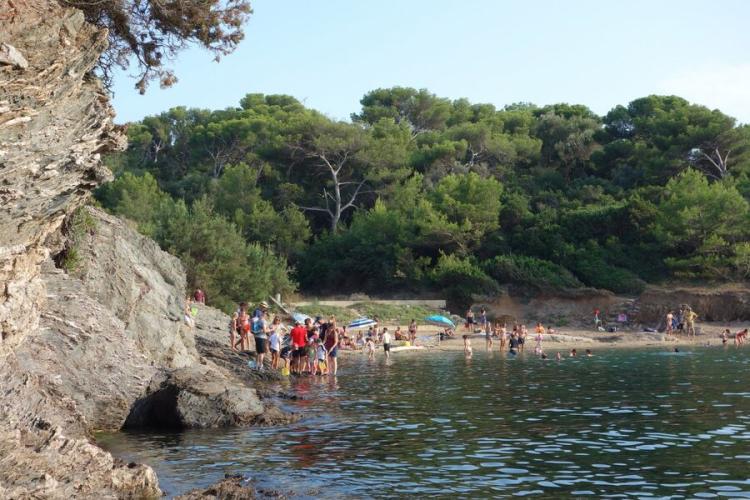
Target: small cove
[625, 422]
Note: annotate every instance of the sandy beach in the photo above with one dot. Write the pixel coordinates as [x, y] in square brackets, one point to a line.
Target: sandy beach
[570, 338]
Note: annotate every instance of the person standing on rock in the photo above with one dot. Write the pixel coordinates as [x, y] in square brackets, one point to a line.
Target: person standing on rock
[244, 322]
[261, 310]
[260, 332]
[199, 296]
[299, 341]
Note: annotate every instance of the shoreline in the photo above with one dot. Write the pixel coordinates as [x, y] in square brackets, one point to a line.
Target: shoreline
[574, 338]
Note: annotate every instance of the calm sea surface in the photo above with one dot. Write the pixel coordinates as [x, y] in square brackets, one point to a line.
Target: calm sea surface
[623, 423]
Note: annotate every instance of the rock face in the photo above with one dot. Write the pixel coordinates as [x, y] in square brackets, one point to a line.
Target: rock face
[54, 124]
[112, 351]
[86, 351]
[725, 303]
[140, 285]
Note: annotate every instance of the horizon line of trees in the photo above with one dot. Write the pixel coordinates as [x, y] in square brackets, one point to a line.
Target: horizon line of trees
[422, 194]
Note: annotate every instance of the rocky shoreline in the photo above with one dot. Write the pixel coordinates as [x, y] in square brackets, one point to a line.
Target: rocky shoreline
[111, 352]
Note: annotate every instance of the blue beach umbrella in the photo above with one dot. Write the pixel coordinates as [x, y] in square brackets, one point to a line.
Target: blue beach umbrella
[361, 323]
[438, 320]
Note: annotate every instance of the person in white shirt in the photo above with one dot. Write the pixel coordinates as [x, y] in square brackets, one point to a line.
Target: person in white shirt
[274, 341]
[387, 342]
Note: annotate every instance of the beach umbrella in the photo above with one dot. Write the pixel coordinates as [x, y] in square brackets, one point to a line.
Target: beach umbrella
[361, 323]
[297, 316]
[438, 320]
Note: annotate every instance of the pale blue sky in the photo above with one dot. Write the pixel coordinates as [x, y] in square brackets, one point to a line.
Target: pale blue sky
[599, 53]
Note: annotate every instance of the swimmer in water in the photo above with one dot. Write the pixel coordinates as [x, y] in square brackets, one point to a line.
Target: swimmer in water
[573, 353]
[589, 353]
[557, 356]
[676, 350]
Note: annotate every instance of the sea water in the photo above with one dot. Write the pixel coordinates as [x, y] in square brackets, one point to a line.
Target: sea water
[623, 423]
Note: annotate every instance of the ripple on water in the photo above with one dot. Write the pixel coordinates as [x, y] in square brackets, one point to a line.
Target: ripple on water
[616, 425]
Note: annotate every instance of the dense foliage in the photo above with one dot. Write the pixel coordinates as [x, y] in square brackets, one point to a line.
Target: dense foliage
[423, 194]
[149, 33]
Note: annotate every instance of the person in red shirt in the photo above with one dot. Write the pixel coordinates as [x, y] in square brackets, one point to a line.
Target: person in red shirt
[299, 342]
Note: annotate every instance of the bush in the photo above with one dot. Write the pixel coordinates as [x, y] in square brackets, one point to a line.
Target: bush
[532, 272]
[77, 227]
[460, 279]
[589, 266]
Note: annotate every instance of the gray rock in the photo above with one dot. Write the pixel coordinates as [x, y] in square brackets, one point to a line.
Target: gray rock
[195, 397]
[11, 56]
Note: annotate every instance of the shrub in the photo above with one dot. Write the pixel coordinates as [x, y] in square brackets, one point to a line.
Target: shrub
[460, 279]
[530, 271]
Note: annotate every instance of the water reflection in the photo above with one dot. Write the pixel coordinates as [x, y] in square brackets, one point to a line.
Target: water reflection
[621, 423]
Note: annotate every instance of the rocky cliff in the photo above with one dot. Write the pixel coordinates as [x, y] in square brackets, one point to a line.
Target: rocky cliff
[101, 344]
[111, 350]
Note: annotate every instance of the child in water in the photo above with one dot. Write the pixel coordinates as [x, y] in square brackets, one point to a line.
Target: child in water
[467, 346]
[320, 364]
[370, 347]
[573, 353]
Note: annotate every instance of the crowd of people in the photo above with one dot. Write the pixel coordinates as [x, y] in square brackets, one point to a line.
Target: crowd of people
[310, 346]
[681, 322]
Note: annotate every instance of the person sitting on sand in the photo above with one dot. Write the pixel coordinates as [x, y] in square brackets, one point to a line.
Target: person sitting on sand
[573, 353]
[398, 334]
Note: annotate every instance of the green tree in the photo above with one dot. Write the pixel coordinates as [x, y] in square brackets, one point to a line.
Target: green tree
[150, 33]
[137, 198]
[701, 223]
[471, 205]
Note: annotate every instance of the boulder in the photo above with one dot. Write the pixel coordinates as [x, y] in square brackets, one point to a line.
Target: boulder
[194, 397]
